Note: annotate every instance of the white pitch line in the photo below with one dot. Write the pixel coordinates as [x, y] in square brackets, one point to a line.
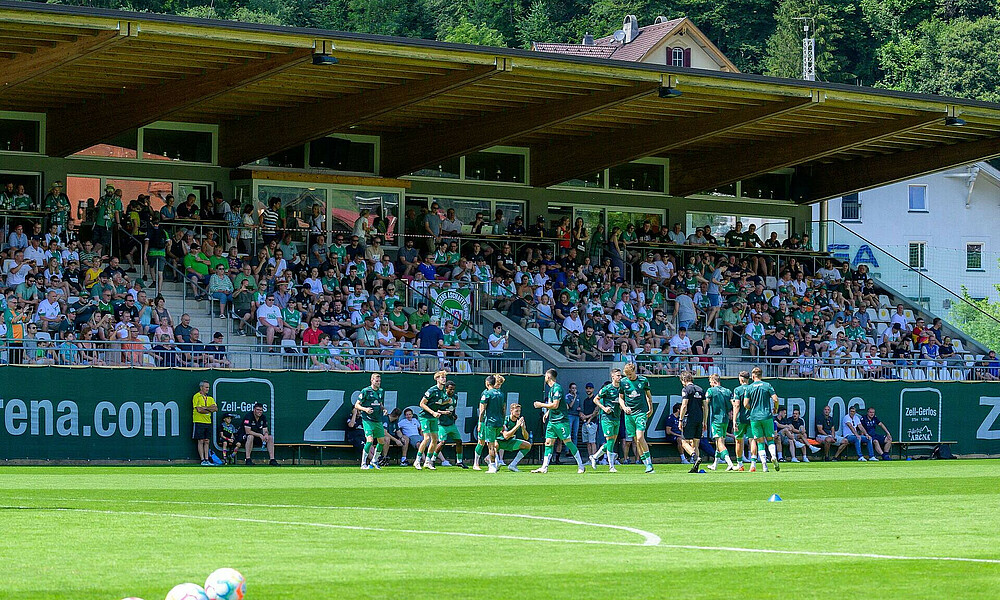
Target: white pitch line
[649, 537]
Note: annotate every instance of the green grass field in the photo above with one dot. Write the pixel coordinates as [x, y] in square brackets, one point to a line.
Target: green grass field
[305, 533]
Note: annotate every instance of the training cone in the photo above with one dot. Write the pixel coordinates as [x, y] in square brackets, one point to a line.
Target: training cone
[774, 498]
[701, 470]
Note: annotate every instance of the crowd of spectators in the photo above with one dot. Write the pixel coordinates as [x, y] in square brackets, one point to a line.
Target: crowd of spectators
[633, 294]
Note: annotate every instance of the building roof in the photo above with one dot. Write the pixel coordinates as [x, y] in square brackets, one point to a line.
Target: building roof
[648, 38]
[595, 51]
[98, 73]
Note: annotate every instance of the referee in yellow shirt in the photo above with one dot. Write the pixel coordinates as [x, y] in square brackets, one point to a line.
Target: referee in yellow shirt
[204, 405]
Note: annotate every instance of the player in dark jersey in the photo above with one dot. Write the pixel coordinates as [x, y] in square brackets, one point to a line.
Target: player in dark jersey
[694, 406]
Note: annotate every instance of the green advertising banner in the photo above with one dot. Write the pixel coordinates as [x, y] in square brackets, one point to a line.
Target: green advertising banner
[95, 413]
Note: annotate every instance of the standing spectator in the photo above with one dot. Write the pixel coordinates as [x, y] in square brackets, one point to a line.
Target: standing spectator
[204, 405]
[497, 342]
[574, 405]
[255, 427]
[590, 418]
[429, 341]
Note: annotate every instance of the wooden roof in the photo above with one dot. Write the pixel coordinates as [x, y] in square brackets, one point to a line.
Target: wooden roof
[97, 73]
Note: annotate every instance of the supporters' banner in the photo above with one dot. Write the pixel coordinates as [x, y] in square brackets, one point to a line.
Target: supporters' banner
[453, 304]
[60, 413]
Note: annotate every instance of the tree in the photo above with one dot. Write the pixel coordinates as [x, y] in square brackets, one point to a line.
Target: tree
[826, 24]
[536, 25]
[980, 319]
[406, 18]
[247, 15]
[478, 35]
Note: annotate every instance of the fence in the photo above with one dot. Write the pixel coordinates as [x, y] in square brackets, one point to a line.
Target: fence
[287, 356]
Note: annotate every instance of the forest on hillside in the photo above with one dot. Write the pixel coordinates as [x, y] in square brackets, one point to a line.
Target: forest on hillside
[949, 47]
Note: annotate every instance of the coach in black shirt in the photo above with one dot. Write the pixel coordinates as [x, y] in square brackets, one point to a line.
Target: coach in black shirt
[255, 428]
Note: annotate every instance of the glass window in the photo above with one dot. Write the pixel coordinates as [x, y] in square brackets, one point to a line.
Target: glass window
[917, 197]
[296, 201]
[620, 218]
[592, 217]
[765, 226]
[917, 255]
[19, 135]
[495, 166]
[677, 57]
[770, 186]
[156, 190]
[201, 191]
[173, 144]
[83, 193]
[341, 154]
[125, 145]
[728, 191]
[446, 169]
[346, 207]
[511, 210]
[465, 210]
[850, 208]
[637, 176]
[293, 158]
[595, 180]
[719, 224]
[974, 257]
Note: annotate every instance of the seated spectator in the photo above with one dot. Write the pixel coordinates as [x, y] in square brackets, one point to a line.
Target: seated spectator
[852, 432]
[882, 440]
[215, 353]
[410, 433]
[826, 432]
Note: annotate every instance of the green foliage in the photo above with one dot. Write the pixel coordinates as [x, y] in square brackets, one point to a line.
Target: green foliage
[837, 54]
[470, 33]
[980, 319]
[536, 25]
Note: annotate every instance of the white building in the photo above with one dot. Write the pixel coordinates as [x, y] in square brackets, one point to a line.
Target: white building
[944, 225]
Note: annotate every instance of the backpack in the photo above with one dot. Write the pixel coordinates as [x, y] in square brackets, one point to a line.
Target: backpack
[942, 451]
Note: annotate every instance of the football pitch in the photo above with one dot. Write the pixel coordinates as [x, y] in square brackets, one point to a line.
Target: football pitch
[919, 529]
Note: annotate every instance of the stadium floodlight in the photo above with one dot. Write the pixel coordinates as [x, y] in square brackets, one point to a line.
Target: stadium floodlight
[669, 92]
[324, 60]
[953, 121]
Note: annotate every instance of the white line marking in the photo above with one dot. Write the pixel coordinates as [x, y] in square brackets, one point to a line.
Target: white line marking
[650, 539]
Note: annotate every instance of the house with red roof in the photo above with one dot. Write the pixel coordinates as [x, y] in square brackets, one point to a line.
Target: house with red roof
[674, 42]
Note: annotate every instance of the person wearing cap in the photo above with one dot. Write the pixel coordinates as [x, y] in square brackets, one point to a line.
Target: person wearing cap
[215, 353]
[107, 217]
[516, 227]
[57, 203]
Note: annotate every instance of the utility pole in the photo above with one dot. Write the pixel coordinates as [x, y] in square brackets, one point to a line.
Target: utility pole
[808, 49]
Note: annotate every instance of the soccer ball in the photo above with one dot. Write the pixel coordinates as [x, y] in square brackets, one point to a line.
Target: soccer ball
[225, 584]
[186, 591]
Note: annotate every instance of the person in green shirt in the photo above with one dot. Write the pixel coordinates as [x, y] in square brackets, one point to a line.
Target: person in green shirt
[106, 217]
[57, 203]
[761, 401]
[637, 404]
[196, 269]
[419, 318]
[371, 406]
[741, 416]
[606, 401]
[448, 430]
[292, 316]
[558, 424]
[720, 404]
[514, 437]
[432, 404]
[491, 410]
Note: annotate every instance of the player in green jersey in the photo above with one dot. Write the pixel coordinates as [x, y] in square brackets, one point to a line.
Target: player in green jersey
[720, 404]
[491, 410]
[481, 447]
[448, 430]
[558, 424]
[636, 402]
[611, 417]
[761, 401]
[432, 404]
[371, 406]
[742, 418]
[514, 437]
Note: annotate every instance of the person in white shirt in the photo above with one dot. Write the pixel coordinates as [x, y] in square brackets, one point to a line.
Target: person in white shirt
[800, 285]
[829, 274]
[540, 277]
[676, 235]
[899, 317]
[451, 225]
[680, 343]
[34, 252]
[50, 312]
[269, 318]
[853, 433]
[648, 267]
[279, 264]
[664, 269]
[573, 323]
[17, 270]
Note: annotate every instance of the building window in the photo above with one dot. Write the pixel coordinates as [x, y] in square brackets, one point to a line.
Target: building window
[450, 168]
[918, 198]
[496, 166]
[177, 144]
[293, 158]
[643, 177]
[917, 254]
[677, 57]
[342, 154]
[974, 257]
[850, 208]
[20, 135]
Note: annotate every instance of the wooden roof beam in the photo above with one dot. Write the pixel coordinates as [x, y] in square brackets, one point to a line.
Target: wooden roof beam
[81, 126]
[249, 139]
[742, 161]
[557, 162]
[411, 150]
[29, 66]
[823, 181]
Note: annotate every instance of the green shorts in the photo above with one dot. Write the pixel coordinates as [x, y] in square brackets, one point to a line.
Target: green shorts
[489, 434]
[557, 431]
[373, 429]
[762, 429]
[742, 430]
[610, 426]
[428, 424]
[718, 430]
[510, 445]
[635, 422]
[449, 432]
